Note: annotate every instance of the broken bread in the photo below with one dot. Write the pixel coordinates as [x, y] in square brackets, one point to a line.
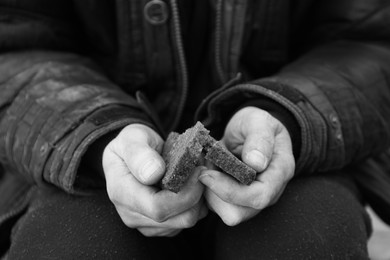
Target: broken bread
[227, 162]
[183, 152]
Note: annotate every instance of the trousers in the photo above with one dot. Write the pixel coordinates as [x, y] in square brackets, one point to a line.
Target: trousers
[319, 217]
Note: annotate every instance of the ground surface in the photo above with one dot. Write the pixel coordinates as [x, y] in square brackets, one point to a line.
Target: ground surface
[379, 243]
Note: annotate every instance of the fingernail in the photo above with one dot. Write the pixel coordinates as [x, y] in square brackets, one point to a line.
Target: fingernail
[204, 175]
[257, 158]
[149, 169]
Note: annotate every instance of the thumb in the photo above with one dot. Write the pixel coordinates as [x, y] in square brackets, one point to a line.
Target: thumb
[139, 148]
[254, 130]
[257, 150]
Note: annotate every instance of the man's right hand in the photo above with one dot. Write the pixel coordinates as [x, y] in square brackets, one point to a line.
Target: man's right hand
[132, 165]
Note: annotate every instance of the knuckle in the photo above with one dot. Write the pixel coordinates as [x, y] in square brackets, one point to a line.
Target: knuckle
[264, 200]
[264, 116]
[111, 146]
[257, 203]
[229, 195]
[129, 222]
[147, 232]
[268, 117]
[255, 113]
[158, 215]
[273, 202]
[272, 121]
[188, 220]
[126, 219]
[132, 133]
[289, 168]
[233, 219]
[135, 129]
[267, 139]
[112, 193]
[292, 164]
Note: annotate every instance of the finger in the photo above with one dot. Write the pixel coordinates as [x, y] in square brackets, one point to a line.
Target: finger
[283, 145]
[281, 170]
[149, 201]
[159, 232]
[260, 130]
[264, 191]
[183, 220]
[257, 150]
[139, 146]
[224, 186]
[250, 133]
[144, 163]
[230, 214]
[231, 191]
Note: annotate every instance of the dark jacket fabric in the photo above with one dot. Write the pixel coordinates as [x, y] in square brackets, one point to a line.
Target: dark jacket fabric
[72, 72]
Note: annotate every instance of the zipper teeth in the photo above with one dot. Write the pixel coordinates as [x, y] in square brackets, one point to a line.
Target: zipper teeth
[218, 30]
[182, 62]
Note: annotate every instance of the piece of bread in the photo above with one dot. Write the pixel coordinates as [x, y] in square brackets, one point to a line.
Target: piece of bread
[229, 163]
[182, 153]
[170, 143]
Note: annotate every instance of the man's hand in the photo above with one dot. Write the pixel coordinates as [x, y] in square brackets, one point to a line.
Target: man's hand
[264, 144]
[132, 165]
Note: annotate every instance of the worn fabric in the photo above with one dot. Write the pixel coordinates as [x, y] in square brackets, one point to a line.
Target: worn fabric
[330, 75]
[74, 72]
[307, 223]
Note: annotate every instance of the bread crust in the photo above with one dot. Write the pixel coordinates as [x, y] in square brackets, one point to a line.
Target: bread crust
[183, 152]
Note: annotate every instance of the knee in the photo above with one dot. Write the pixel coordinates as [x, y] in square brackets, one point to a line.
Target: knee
[324, 218]
[69, 227]
[314, 219]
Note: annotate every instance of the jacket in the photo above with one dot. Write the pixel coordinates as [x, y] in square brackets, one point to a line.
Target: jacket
[72, 72]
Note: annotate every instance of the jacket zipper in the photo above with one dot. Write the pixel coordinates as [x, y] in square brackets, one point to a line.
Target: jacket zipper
[182, 63]
[218, 36]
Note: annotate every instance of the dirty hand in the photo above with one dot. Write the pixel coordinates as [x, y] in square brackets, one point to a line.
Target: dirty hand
[132, 165]
[264, 144]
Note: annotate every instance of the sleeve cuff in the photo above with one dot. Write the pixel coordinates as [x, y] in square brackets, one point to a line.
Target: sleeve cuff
[308, 147]
[97, 130]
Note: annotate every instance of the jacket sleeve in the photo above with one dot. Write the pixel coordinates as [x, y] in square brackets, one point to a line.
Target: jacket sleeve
[337, 90]
[53, 106]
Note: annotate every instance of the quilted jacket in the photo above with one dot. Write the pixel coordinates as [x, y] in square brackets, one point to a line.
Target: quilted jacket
[72, 72]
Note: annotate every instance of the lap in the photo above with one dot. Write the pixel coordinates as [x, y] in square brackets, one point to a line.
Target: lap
[315, 217]
[61, 226]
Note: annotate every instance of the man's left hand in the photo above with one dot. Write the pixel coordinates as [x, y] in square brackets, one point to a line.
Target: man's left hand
[264, 144]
